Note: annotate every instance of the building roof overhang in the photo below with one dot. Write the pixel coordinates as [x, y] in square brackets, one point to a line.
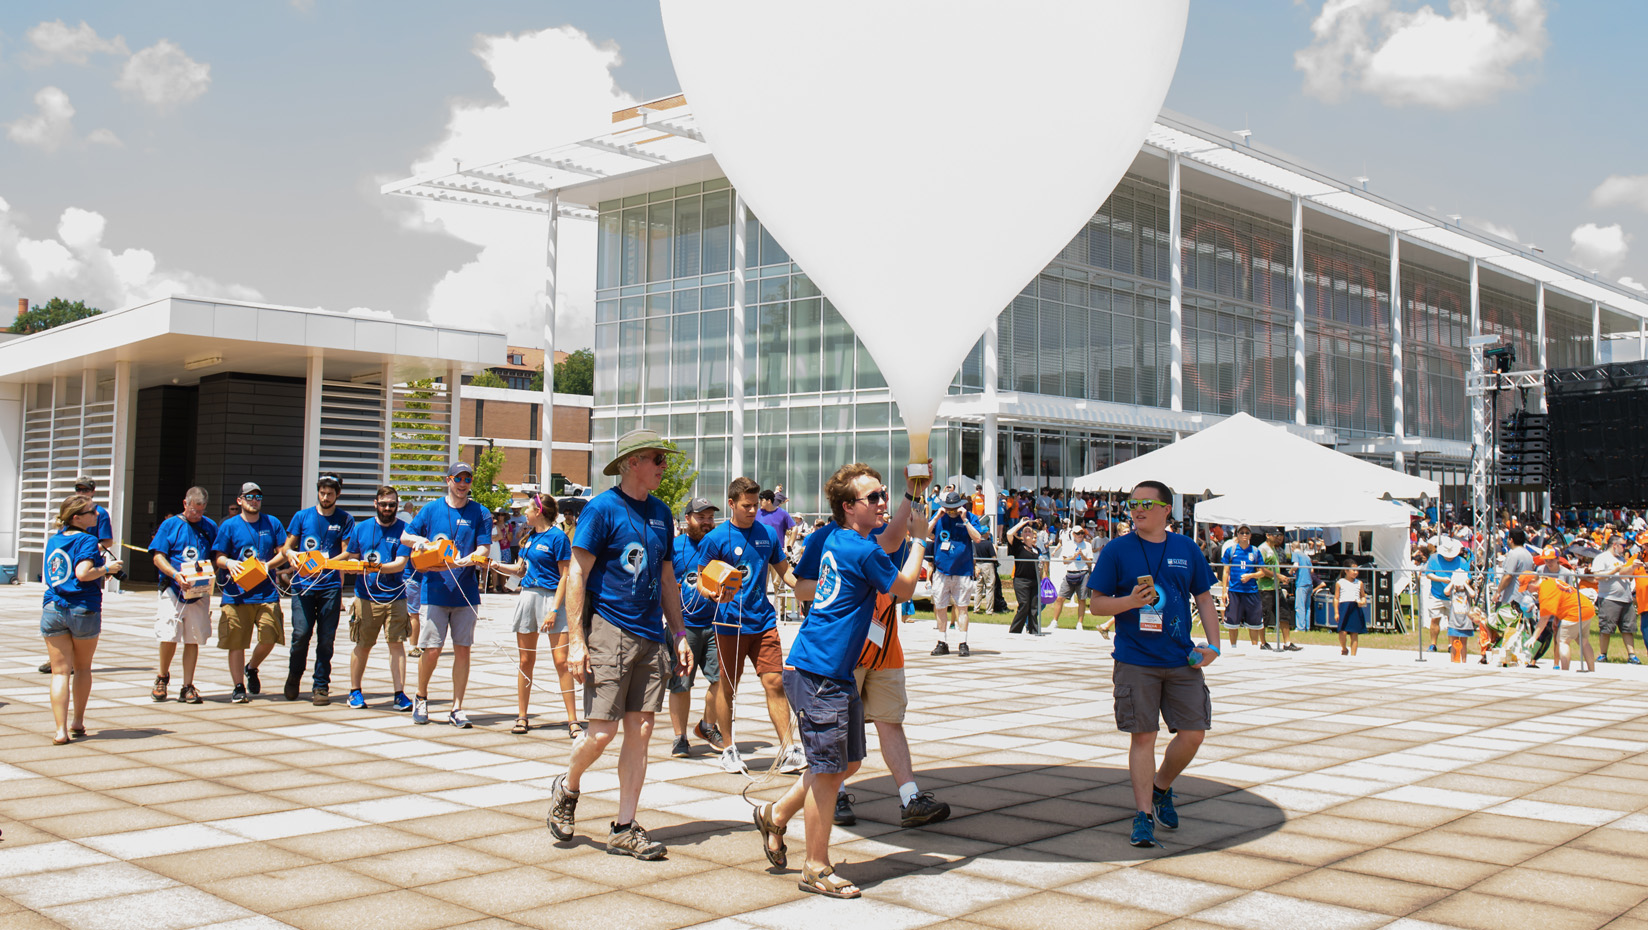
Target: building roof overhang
[179, 340]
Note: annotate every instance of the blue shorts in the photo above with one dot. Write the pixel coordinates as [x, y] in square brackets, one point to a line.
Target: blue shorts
[832, 719]
[1244, 610]
[77, 622]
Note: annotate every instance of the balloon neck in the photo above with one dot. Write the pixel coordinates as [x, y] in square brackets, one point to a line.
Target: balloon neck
[918, 453]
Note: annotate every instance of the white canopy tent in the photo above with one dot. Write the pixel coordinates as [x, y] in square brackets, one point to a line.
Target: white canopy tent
[1244, 453]
[1350, 512]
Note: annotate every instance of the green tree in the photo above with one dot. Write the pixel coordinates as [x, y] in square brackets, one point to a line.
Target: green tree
[574, 375]
[418, 467]
[56, 312]
[486, 490]
[488, 378]
[679, 475]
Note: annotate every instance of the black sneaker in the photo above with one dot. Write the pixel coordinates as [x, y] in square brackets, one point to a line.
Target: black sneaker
[963, 651]
[942, 649]
[239, 697]
[711, 735]
[844, 816]
[1293, 647]
[1266, 646]
[189, 695]
[291, 690]
[680, 749]
[634, 841]
[563, 809]
[45, 668]
[922, 810]
[253, 685]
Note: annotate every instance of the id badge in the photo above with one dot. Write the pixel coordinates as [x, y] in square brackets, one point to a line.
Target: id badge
[1150, 620]
[877, 634]
[945, 547]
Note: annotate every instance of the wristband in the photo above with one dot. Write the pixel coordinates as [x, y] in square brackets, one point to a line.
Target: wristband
[909, 497]
[1212, 647]
[680, 634]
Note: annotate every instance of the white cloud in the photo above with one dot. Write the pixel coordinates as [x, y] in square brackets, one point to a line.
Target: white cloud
[1634, 284]
[1420, 57]
[57, 41]
[555, 85]
[1600, 249]
[50, 127]
[105, 137]
[164, 77]
[1498, 229]
[1622, 190]
[76, 265]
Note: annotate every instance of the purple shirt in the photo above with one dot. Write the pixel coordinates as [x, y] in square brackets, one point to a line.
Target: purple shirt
[778, 519]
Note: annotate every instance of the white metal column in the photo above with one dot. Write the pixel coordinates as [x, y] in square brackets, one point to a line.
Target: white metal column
[1299, 376]
[312, 387]
[1175, 277]
[987, 442]
[1642, 339]
[454, 425]
[1479, 416]
[123, 459]
[1398, 424]
[546, 456]
[740, 217]
[1596, 333]
[1539, 327]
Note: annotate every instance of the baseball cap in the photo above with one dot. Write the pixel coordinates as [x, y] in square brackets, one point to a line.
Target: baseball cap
[458, 468]
[698, 505]
[250, 487]
[328, 478]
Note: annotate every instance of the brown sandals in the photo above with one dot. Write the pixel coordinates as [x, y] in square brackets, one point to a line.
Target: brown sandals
[779, 857]
[825, 882]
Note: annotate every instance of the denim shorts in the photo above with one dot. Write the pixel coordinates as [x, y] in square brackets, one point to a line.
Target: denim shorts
[832, 719]
[77, 622]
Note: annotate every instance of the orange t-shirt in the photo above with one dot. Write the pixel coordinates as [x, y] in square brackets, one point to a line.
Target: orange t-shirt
[1564, 602]
[881, 646]
[1642, 589]
[978, 503]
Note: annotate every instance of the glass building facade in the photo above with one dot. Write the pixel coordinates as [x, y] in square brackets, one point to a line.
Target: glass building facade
[1095, 325]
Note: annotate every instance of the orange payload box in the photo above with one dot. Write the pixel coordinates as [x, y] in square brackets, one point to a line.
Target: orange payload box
[345, 565]
[309, 563]
[249, 573]
[434, 555]
[718, 576]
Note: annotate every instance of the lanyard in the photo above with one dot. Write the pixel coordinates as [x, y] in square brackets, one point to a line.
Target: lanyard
[1155, 573]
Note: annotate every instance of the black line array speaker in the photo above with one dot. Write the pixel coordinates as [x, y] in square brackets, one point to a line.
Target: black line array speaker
[1599, 434]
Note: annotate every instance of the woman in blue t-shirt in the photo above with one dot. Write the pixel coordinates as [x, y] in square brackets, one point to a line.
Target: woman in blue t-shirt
[71, 615]
[545, 553]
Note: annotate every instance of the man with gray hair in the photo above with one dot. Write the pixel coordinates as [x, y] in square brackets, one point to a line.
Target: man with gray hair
[184, 615]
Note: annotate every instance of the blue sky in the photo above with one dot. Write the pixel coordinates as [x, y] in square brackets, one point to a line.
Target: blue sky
[236, 149]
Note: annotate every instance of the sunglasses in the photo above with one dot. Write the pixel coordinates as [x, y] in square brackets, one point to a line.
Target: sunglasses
[657, 458]
[1139, 503]
[875, 497]
[251, 497]
[462, 479]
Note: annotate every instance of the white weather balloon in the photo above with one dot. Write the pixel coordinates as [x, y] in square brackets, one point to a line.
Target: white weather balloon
[923, 159]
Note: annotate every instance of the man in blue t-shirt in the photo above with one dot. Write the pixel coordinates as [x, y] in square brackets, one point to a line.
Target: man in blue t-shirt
[698, 615]
[1439, 570]
[317, 596]
[624, 632]
[954, 530]
[380, 596]
[249, 535]
[184, 617]
[451, 595]
[1302, 586]
[853, 571]
[1244, 564]
[1146, 580]
[746, 627]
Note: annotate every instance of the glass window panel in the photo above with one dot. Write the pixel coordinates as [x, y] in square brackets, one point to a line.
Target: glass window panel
[839, 417]
[1024, 345]
[838, 352]
[635, 246]
[717, 234]
[1075, 352]
[631, 308]
[683, 426]
[658, 304]
[632, 338]
[873, 450]
[835, 450]
[1098, 360]
[606, 364]
[771, 252]
[804, 419]
[689, 223]
[606, 311]
[712, 373]
[684, 374]
[773, 289]
[1122, 360]
[806, 477]
[713, 423]
[686, 301]
[772, 420]
[1050, 357]
[716, 297]
[609, 249]
[658, 353]
[869, 374]
[874, 415]
[752, 370]
[773, 359]
[806, 324]
[660, 223]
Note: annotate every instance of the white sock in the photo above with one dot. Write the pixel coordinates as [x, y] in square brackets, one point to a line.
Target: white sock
[907, 791]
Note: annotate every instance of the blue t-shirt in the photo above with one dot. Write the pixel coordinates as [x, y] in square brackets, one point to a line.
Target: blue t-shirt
[1302, 564]
[105, 528]
[63, 589]
[181, 541]
[697, 610]
[376, 544]
[952, 547]
[852, 570]
[1440, 566]
[750, 551]
[469, 527]
[1181, 572]
[544, 552]
[1241, 562]
[317, 532]
[237, 540]
[812, 551]
[631, 541]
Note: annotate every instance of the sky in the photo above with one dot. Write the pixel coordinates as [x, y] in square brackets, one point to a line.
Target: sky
[236, 150]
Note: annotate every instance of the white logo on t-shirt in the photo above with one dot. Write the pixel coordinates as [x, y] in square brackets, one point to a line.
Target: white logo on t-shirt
[829, 582]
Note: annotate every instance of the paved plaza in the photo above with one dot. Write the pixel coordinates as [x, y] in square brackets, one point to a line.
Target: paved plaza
[1332, 793]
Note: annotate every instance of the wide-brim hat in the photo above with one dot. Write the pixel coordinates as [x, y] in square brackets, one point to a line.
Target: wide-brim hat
[952, 500]
[1447, 547]
[636, 440]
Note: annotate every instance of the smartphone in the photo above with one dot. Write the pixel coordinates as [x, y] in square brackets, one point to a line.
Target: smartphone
[1146, 579]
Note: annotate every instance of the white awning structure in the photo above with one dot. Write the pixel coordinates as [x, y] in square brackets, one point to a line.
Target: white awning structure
[1244, 453]
[1311, 507]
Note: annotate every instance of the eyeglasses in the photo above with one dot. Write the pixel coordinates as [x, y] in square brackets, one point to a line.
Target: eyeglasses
[657, 458]
[251, 497]
[875, 497]
[1139, 503]
[462, 479]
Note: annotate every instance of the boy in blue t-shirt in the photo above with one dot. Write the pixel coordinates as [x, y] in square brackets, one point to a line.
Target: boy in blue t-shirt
[698, 616]
[1439, 570]
[451, 595]
[1146, 580]
[954, 530]
[252, 534]
[1244, 563]
[317, 597]
[380, 596]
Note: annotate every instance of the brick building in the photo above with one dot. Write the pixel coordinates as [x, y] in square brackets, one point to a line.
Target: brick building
[511, 420]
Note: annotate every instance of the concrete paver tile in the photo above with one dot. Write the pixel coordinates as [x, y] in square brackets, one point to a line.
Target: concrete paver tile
[41, 890]
[1168, 894]
[1473, 911]
[598, 912]
[1263, 910]
[175, 908]
[352, 844]
[1053, 910]
[1228, 868]
[206, 865]
[1592, 893]
[1361, 891]
[271, 891]
[1402, 865]
[392, 910]
[1445, 841]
